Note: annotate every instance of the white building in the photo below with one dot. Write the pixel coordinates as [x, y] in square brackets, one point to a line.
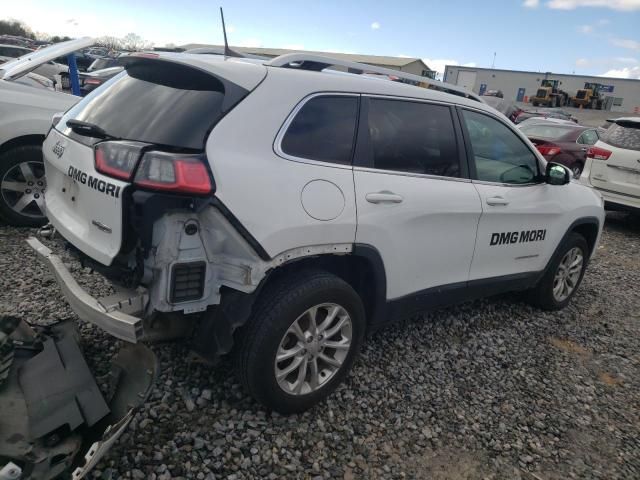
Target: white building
[621, 94]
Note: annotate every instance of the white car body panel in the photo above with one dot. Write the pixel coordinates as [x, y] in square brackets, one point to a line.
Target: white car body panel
[27, 110]
[533, 208]
[76, 209]
[27, 63]
[443, 214]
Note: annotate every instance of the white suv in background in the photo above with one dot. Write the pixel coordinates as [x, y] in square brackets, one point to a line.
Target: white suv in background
[284, 210]
[613, 165]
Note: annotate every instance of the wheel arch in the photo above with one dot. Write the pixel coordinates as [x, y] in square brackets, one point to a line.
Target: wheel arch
[24, 140]
[588, 227]
[363, 269]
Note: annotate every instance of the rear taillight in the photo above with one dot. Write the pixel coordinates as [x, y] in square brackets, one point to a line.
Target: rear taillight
[598, 153]
[174, 172]
[92, 81]
[548, 150]
[154, 170]
[118, 159]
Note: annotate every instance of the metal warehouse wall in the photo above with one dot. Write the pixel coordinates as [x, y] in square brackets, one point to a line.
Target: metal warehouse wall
[516, 85]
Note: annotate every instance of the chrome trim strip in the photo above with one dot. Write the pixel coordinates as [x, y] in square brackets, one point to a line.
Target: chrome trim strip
[410, 174]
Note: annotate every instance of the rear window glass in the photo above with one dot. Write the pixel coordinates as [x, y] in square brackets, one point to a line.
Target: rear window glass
[623, 137]
[324, 129]
[545, 131]
[165, 104]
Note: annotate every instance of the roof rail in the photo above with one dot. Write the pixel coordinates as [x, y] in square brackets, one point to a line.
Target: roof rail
[309, 61]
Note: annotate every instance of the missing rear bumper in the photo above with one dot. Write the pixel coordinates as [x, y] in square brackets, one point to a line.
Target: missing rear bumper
[115, 314]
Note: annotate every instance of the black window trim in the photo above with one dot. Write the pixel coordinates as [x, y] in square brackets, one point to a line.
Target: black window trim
[277, 143]
[362, 162]
[469, 150]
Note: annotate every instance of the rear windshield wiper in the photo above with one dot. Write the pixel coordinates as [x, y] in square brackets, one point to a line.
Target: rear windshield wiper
[89, 129]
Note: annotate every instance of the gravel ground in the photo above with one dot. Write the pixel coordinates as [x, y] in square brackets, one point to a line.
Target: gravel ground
[489, 390]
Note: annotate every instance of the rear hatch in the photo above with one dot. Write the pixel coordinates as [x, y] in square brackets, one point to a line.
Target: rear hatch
[616, 164]
[146, 128]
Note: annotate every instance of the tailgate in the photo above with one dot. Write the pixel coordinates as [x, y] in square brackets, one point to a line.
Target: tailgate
[620, 173]
[82, 204]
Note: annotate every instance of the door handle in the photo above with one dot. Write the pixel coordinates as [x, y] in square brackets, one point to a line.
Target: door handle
[495, 201]
[383, 197]
[584, 149]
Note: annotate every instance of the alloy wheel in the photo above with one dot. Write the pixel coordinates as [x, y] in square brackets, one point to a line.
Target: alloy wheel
[568, 274]
[313, 349]
[22, 189]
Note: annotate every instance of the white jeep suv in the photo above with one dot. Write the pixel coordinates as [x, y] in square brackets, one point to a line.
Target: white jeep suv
[283, 210]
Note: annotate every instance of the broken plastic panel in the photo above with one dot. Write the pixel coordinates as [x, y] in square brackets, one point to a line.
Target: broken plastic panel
[53, 416]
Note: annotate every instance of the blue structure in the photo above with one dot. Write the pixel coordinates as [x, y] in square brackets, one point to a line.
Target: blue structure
[73, 74]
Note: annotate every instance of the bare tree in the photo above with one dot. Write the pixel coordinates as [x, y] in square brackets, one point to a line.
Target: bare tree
[112, 43]
[131, 41]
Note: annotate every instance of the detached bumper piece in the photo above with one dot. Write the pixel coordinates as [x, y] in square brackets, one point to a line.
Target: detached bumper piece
[114, 314]
[51, 409]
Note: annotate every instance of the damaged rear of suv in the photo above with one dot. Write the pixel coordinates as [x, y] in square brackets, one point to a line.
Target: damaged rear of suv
[278, 211]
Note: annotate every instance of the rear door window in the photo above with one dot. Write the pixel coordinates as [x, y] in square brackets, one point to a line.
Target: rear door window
[627, 137]
[412, 137]
[324, 130]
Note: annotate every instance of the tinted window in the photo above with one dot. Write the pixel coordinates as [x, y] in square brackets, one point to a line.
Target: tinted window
[499, 154]
[623, 137]
[324, 129]
[412, 137]
[163, 104]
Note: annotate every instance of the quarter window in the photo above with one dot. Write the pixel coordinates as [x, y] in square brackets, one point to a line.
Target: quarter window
[588, 137]
[324, 130]
[412, 137]
[499, 154]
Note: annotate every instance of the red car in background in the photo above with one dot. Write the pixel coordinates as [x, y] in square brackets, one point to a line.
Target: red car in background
[562, 143]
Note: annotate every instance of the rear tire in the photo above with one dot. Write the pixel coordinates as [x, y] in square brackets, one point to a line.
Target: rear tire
[281, 325]
[22, 186]
[563, 275]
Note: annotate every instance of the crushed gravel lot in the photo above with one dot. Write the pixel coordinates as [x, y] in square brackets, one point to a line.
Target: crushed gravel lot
[492, 389]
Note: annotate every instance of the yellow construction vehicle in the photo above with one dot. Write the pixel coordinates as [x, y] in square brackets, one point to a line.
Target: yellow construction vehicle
[550, 95]
[589, 96]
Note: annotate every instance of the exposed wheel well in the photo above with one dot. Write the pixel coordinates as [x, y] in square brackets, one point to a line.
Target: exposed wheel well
[358, 271]
[21, 142]
[590, 233]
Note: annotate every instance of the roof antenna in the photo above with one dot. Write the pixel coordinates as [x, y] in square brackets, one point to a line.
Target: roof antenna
[227, 51]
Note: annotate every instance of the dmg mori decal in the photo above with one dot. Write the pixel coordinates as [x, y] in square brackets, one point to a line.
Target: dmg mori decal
[505, 238]
[92, 182]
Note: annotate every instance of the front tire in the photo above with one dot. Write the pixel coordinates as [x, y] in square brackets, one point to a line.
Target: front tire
[576, 169]
[22, 186]
[301, 340]
[563, 276]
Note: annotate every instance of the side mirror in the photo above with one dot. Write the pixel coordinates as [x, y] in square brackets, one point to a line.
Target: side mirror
[557, 174]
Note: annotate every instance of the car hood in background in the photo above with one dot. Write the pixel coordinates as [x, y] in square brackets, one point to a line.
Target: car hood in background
[26, 63]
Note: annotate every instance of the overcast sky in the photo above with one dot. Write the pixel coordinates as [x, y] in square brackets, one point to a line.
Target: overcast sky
[599, 37]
